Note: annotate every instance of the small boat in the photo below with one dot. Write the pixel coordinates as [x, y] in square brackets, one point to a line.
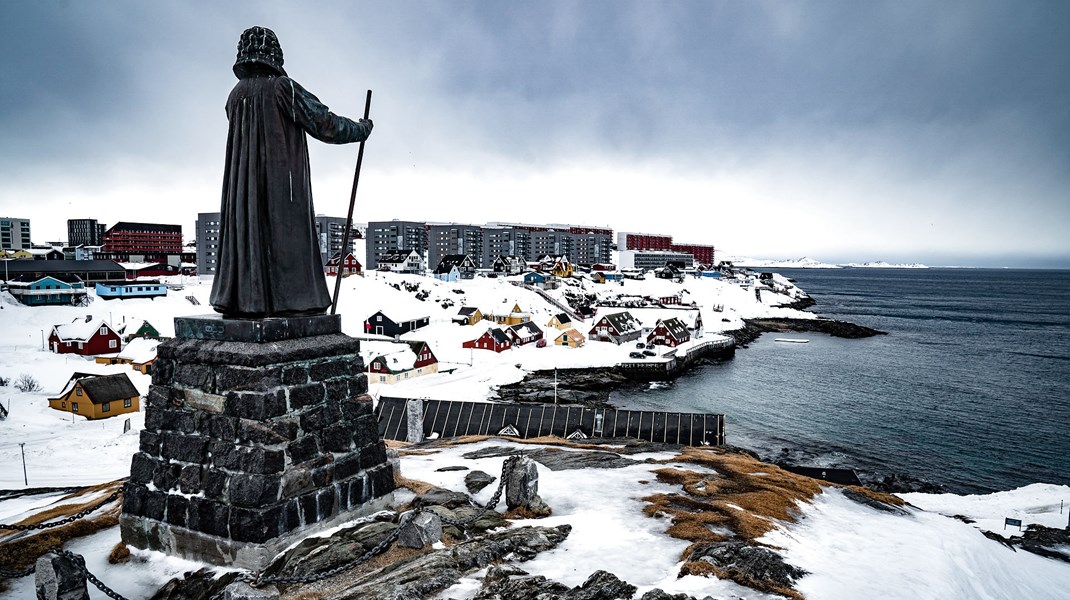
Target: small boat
[791, 340]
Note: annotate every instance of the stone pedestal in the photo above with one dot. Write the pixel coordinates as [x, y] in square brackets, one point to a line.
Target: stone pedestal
[257, 433]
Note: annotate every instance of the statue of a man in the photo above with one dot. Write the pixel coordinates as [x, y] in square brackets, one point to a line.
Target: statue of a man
[268, 261]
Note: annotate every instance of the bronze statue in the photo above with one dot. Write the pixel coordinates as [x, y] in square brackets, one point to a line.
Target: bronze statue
[269, 262]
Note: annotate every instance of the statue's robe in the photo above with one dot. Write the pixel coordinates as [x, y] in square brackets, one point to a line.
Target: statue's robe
[268, 261]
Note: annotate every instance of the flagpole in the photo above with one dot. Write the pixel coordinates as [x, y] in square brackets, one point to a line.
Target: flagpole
[349, 218]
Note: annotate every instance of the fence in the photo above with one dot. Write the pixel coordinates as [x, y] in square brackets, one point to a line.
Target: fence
[447, 418]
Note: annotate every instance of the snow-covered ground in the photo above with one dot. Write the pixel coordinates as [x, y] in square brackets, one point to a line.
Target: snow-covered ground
[851, 551]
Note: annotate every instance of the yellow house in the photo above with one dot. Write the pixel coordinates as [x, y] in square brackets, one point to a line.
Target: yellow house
[570, 338]
[560, 321]
[139, 353]
[97, 397]
[468, 315]
[562, 267]
[508, 314]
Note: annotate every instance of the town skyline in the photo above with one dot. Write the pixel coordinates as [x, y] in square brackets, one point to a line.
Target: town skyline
[896, 131]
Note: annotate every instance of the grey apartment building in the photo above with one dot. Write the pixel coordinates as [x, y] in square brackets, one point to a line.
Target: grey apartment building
[444, 239]
[85, 232]
[329, 233]
[14, 234]
[207, 242]
[384, 237]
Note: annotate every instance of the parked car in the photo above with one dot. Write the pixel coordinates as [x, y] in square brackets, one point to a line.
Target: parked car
[636, 355]
[650, 353]
[540, 344]
[650, 346]
[640, 345]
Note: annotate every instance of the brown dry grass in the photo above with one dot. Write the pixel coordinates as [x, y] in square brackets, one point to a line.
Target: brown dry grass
[414, 485]
[20, 549]
[705, 569]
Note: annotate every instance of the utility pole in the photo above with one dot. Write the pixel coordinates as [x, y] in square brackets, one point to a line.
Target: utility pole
[555, 385]
[25, 480]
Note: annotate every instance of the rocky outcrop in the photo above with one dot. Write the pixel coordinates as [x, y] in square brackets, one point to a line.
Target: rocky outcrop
[426, 574]
[1048, 542]
[559, 460]
[585, 387]
[841, 329]
[753, 566]
[508, 582]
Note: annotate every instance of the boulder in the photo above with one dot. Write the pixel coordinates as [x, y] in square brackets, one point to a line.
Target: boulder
[522, 488]
[748, 565]
[419, 530]
[59, 577]
[477, 480]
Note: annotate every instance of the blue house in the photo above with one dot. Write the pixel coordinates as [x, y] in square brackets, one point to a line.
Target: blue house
[447, 273]
[33, 290]
[131, 289]
[534, 278]
[711, 274]
[613, 276]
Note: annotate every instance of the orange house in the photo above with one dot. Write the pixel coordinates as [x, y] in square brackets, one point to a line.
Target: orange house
[97, 397]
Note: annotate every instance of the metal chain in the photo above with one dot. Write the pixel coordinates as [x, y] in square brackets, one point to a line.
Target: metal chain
[66, 520]
[80, 563]
[5, 574]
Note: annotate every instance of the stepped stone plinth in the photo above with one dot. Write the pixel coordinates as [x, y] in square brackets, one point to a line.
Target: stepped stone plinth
[257, 433]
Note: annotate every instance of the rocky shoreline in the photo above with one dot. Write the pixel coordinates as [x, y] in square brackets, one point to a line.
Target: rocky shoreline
[591, 387]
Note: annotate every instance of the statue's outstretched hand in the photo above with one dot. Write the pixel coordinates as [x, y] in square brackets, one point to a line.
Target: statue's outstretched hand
[367, 122]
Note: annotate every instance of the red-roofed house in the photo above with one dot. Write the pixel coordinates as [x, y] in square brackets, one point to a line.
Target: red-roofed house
[86, 337]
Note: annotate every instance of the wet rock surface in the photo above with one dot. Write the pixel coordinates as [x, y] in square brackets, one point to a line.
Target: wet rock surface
[561, 460]
[874, 503]
[753, 566]
[1048, 542]
[426, 574]
[585, 387]
[841, 329]
[477, 480]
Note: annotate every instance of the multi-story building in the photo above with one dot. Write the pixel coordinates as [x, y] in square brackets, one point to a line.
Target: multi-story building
[14, 234]
[142, 239]
[583, 244]
[386, 237]
[627, 240]
[329, 233]
[84, 232]
[444, 239]
[654, 259]
[207, 242]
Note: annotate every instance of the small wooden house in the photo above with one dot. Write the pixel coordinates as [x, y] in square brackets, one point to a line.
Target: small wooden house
[492, 339]
[455, 266]
[617, 328]
[87, 337]
[535, 278]
[468, 315]
[570, 338]
[351, 266]
[598, 277]
[97, 397]
[143, 329]
[560, 321]
[508, 314]
[405, 261]
[33, 290]
[380, 324]
[130, 289]
[402, 361]
[669, 332]
[509, 265]
[524, 333]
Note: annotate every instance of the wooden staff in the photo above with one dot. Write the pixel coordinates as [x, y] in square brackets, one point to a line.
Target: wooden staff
[349, 218]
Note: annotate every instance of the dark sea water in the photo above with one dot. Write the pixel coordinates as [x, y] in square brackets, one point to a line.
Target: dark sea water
[970, 389]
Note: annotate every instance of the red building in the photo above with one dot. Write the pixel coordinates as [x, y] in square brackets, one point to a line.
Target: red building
[645, 241]
[703, 254]
[669, 332]
[85, 337]
[143, 238]
[352, 266]
[493, 339]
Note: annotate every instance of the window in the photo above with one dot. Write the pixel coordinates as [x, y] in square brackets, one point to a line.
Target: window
[74, 406]
[127, 403]
[111, 343]
[104, 330]
[106, 407]
[382, 378]
[379, 318]
[78, 391]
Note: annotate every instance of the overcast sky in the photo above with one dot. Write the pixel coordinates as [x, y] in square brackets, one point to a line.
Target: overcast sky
[903, 131]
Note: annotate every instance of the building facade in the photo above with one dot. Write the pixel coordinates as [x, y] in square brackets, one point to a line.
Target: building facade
[84, 232]
[388, 237]
[329, 234]
[454, 239]
[655, 259]
[627, 240]
[14, 234]
[207, 242]
[143, 239]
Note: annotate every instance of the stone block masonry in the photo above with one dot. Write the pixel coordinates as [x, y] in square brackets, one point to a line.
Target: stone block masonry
[249, 446]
